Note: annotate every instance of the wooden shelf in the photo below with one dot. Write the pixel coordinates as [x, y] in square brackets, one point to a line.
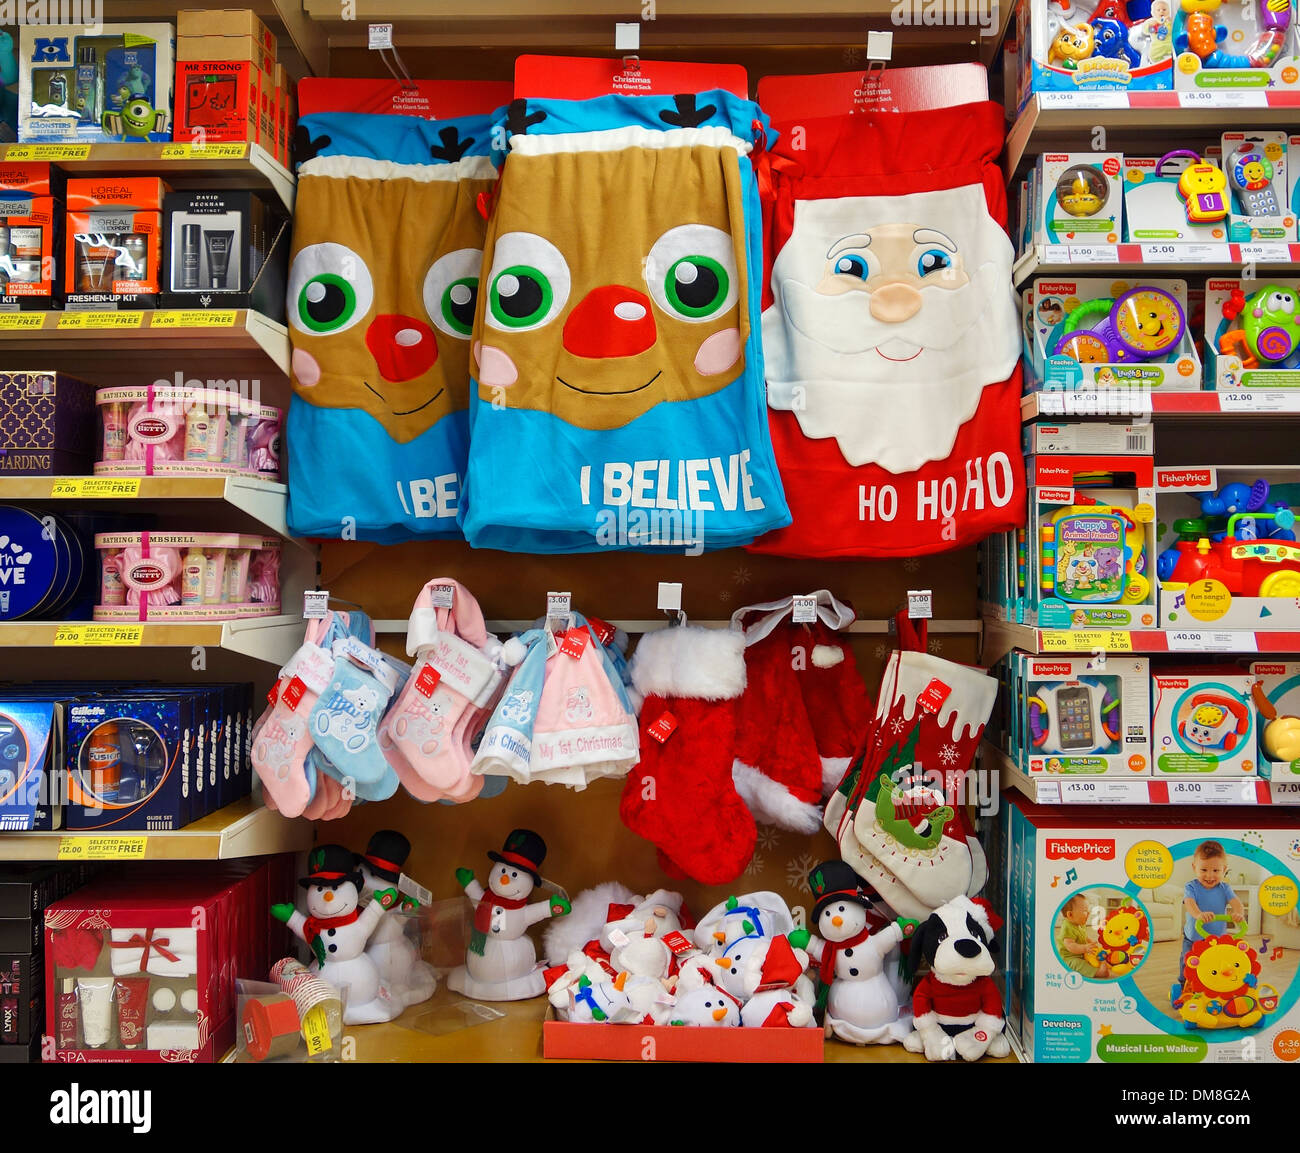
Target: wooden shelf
[242, 829]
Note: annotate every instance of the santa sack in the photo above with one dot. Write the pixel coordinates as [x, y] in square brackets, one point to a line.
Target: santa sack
[387, 244]
[619, 396]
[890, 330]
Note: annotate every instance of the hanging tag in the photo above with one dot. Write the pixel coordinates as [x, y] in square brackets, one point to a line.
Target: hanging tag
[412, 888]
[663, 728]
[315, 604]
[920, 604]
[442, 596]
[274, 694]
[575, 640]
[618, 938]
[677, 943]
[552, 645]
[605, 632]
[379, 36]
[427, 681]
[933, 695]
[670, 597]
[805, 610]
[558, 604]
[293, 694]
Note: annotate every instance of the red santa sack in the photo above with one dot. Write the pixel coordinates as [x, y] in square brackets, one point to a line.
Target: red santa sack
[891, 333]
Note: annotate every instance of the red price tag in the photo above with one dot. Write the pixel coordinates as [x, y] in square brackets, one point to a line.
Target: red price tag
[603, 630]
[677, 943]
[274, 694]
[427, 681]
[575, 640]
[933, 695]
[663, 728]
[293, 694]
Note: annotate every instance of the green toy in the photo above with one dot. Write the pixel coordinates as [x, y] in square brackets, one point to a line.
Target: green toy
[136, 121]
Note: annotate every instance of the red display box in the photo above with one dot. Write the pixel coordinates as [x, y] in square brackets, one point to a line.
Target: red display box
[583, 1041]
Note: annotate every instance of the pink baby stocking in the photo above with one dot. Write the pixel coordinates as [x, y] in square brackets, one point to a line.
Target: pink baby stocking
[284, 740]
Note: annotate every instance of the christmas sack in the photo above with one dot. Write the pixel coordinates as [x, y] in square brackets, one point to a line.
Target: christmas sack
[383, 279]
[618, 397]
[898, 816]
[890, 331]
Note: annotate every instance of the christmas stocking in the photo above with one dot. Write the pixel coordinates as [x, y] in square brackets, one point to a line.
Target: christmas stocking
[835, 696]
[284, 740]
[681, 796]
[345, 721]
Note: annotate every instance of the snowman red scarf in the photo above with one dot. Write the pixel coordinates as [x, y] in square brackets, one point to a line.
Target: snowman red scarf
[890, 333]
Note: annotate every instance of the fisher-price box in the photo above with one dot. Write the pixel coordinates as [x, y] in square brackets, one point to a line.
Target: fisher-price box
[1235, 44]
[1277, 707]
[1107, 334]
[1228, 553]
[1203, 724]
[1081, 717]
[1252, 333]
[1257, 169]
[1154, 210]
[1098, 926]
[1080, 198]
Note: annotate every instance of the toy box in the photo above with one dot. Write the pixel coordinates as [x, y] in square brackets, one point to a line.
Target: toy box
[1256, 166]
[230, 34]
[49, 424]
[1078, 717]
[1228, 554]
[1087, 438]
[1089, 564]
[1252, 333]
[1242, 44]
[1112, 46]
[1079, 198]
[1100, 334]
[1203, 723]
[95, 83]
[1276, 693]
[1099, 927]
[1155, 210]
[113, 253]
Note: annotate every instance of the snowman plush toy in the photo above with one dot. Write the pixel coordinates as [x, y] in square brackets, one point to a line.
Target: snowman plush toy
[338, 931]
[501, 962]
[409, 978]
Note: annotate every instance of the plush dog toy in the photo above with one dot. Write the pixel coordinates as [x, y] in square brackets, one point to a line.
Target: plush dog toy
[957, 1009]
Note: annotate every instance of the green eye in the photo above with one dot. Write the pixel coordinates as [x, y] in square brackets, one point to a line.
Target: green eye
[521, 296]
[696, 285]
[326, 302]
[458, 304]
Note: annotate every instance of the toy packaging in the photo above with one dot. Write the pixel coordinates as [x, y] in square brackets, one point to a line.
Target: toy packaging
[32, 727]
[1258, 177]
[1111, 334]
[1276, 693]
[1157, 208]
[229, 34]
[1106, 962]
[48, 430]
[113, 254]
[1075, 717]
[1088, 438]
[221, 100]
[1203, 723]
[1228, 554]
[1118, 46]
[95, 83]
[1241, 44]
[1252, 333]
[1080, 198]
[166, 430]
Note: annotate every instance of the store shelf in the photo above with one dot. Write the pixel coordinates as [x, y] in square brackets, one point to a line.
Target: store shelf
[1000, 637]
[182, 165]
[241, 829]
[1150, 259]
[262, 500]
[1140, 123]
[1258, 402]
[270, 639]
[1059, 790]
[637, 627]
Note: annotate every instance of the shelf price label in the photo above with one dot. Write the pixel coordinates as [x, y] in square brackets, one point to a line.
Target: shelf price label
[1222, 98]
[1206, 253]
[98, 636]
[22, 320]
[194, 318]
[1055, 254]
[1085, 641]
[1261, 400]
[53, 152]
[101, 320]
[216, 150]
[1093, 254]
[1105, 792]
[88, 847]
[1083, 100]
[1213, 792]
[1275, 253]
[1071, 402]
[96, 486]
[1184, 641]
[1160, 253]
[1285, 792]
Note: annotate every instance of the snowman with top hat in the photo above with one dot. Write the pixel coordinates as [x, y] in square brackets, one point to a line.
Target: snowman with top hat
[852, 946]
[501, 961]
[409, 978]
[338, 931]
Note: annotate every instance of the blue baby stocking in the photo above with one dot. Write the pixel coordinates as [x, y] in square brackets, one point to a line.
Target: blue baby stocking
[345, 720]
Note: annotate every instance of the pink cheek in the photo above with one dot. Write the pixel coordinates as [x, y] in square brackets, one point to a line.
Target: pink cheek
[719, 352]
[495, 368]
[306, 370]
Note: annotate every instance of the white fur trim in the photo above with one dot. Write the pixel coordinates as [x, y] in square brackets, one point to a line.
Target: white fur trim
[513, 652]
[989, 1024]
[773, 804]
[827, 656]
[629, 136]
[365, 168]
[567, 935]
[706, 664]
[833, 770]
[924, 1021]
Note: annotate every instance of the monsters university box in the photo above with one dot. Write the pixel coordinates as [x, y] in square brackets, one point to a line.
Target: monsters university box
[1114, 968]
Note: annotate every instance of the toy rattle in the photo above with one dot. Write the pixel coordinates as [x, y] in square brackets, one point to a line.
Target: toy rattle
[1268, 331]
[1082, 190]
[1092, 553]
[1201, 36]
[1080, 716]
[1200, 187]
[1143, 324]
[1251, 175]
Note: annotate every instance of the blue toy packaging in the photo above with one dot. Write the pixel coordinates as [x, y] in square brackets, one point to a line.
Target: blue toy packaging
[1203, 724]
[1107, 964]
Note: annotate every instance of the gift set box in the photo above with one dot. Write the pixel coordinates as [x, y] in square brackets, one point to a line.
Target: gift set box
[31, 206]
[113, 245]
[47, 424]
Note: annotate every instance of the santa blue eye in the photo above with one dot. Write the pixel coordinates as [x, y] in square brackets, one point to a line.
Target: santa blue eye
[933, 260]
[852, 266]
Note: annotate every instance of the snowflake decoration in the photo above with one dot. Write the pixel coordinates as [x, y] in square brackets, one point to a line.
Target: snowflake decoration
[897, 725]
[724, 595]
[798, 868]
[911, 564]
[949, 754]
[755, 865]
[742, 575]
[935, 646]
[881, 651]
[769, 836]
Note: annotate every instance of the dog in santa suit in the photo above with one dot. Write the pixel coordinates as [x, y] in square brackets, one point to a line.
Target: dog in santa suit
[956, 1006]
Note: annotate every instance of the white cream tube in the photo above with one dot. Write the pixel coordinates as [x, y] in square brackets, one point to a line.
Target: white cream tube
[96, 996]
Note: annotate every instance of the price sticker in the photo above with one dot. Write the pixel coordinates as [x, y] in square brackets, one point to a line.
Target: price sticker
[1085, 641]
[1160, 253]
[442, 596]
[379, 36]
[1261, 400]
[315, 604]
[558, 604]
[1188, 792]
[215, 150]
[86, 847]
[1184, 641]
[194, 318]
[99, 487]
[1093, 254]
[1081, 793]
[1276, 253]
[1054, 254]
[98, 636]
[803, 610]
[101, 320]
[1285, 792]
[1083, 100]
[920, 604]
[316, 1031]
[670, 596]
[1207, 254]
[53, 152]
[1222, 98]
[22, 320]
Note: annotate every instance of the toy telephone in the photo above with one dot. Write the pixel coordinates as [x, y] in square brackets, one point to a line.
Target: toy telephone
[1215, 722]
[1080, 716]
[1268, 328]
[1143, 324]
[1251, 176]
[1200, 187]
[1093, 553]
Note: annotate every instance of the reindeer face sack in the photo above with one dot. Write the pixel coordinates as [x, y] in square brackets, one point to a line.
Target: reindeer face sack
[383, 283]
[891, 335]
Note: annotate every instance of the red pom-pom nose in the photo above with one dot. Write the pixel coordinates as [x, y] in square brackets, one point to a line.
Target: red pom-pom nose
[402, 346]
[610, 321]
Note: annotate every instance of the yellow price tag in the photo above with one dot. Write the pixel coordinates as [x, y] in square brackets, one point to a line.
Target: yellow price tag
[316, 1031]
[1086, 641]
[96, 486]
[89, 847]
[47, 152]
[194, 318]
[101, 320]
[24, 320]
[99, 636]
[216, 150]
